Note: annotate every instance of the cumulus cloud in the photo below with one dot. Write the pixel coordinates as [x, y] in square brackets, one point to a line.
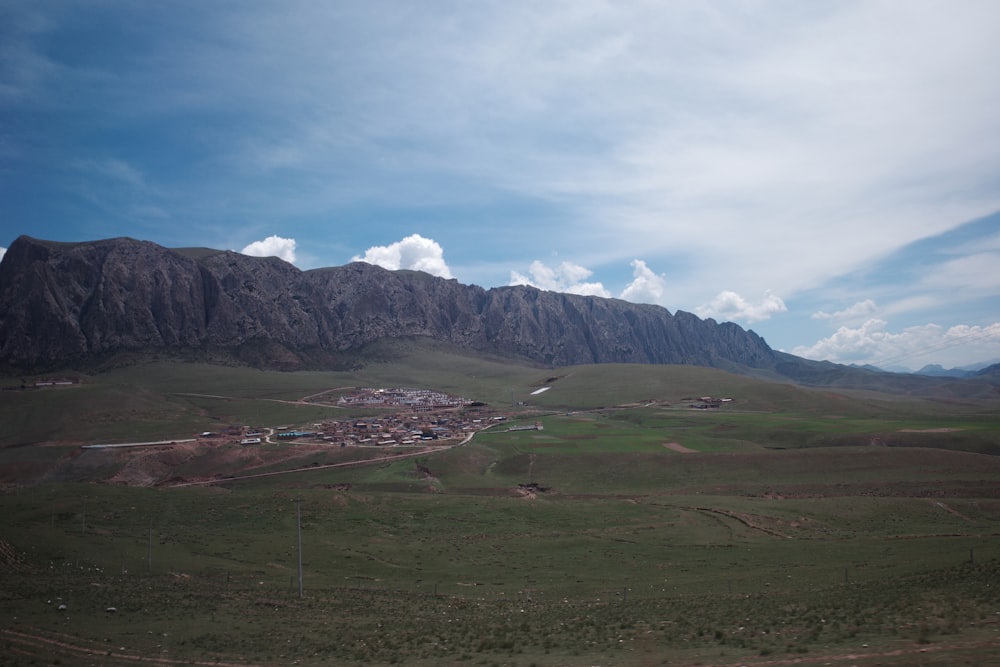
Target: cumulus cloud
[729, 305]
[272, 246]
[567, 277]
[570, 278]
[874, 343]
[859, 310]
[414, 252]
[646, 286]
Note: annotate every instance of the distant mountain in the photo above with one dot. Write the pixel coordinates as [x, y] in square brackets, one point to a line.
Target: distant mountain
[989, 372]
[970, 370]
[869, 367]
[936, 370]
[76, 304]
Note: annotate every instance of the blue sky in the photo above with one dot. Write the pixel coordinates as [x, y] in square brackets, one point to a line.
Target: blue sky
[827, 174]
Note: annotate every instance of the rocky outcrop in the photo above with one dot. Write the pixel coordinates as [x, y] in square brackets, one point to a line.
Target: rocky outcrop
[61, 303]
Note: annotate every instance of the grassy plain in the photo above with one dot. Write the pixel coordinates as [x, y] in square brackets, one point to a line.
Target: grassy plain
[791, 526]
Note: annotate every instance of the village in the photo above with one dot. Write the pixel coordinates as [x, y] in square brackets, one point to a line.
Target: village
[413, 417]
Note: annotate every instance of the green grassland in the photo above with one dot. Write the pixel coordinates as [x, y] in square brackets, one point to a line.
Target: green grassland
[789, 526]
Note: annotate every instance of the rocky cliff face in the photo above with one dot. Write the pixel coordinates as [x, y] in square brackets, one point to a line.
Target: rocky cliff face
[61, 303]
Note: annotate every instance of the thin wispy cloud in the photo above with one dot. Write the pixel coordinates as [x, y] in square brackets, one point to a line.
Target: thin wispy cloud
[114, 171]
[977, 271]
[862, 309]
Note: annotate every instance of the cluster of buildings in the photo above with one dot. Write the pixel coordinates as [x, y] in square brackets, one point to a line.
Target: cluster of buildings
[706, 402]
[55, 382]
[414, 399]
[420, 417]
[392, 430]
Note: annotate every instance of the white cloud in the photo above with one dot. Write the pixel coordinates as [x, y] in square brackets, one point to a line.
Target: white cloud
[567, 277]
[272, 246]
[868, 342]
[413, 252]
[874, 343]
[859, 310]
[729, 305]
[3, 251]
[646, 286]
[570, 278]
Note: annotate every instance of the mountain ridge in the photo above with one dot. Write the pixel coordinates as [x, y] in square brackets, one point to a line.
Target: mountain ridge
[61, 302]
[67, 304]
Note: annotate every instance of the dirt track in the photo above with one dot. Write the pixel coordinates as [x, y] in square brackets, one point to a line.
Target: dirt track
[57, 647]
[347, 464]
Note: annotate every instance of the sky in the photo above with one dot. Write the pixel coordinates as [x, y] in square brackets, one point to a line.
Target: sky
[824, 173]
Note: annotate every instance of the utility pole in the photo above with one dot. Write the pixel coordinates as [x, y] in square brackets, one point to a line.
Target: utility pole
[298, 521]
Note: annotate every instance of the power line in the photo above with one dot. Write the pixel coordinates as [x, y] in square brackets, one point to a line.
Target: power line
[964, 339]
[298, 521]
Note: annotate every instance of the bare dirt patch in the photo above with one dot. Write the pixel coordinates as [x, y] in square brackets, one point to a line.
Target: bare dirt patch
[151, 466]
[678, 447]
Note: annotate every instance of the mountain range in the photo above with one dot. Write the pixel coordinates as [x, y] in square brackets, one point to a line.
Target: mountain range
[937, 370]
[66, 304]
